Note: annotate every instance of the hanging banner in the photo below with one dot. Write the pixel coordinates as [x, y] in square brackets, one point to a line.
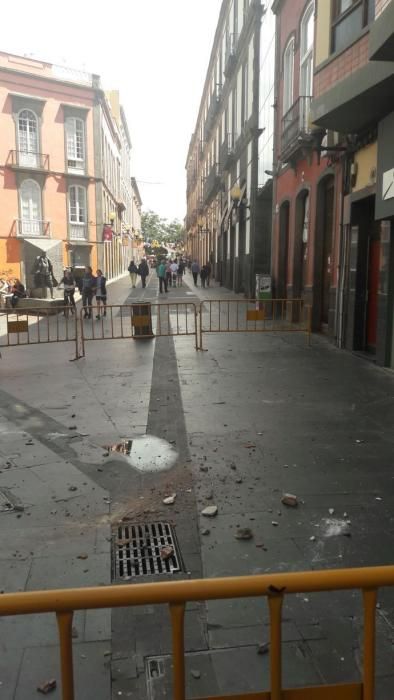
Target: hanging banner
[107, 233]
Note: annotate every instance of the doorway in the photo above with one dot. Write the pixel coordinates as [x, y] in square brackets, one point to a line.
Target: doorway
[371, 320]
[327, 233]
[283, 275]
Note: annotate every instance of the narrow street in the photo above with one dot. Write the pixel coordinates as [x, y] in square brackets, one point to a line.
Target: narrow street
[235, 427]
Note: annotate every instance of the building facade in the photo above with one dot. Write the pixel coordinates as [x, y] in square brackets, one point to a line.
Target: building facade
[228, 219]
[54, 176]
[354, 81]
[308, 183]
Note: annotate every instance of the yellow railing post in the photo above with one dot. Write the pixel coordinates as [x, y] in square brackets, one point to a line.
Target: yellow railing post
[369, 599]
[64, 621]
[177, 611]
[275, 602]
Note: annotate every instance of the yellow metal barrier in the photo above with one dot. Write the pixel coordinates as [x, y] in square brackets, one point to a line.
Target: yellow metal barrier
[124, 321]
[176, 594]
[251, 316]
[39, 326]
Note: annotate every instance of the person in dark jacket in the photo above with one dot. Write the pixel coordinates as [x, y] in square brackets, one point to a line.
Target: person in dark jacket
[18, 292]
[69, 285]
[203, 275]
[143, 271]
[133, 270]
[195, 268]
[208, 268]
[88, 289]
[101, 293]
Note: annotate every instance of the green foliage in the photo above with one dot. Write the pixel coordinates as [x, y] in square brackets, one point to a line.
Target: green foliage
[166, 233]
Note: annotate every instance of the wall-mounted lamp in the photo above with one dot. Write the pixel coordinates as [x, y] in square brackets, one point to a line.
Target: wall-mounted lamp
[112, 217]
[235, 193]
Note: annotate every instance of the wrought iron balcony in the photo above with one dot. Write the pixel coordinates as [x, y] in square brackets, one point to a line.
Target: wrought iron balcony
[296, 124]
[231, 52]
[227, 150]
[78, 232]
[29, 160]
[211, 183]
[213, 111]
[33, 227]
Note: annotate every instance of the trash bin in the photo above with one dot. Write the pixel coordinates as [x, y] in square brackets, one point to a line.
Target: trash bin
[142, 320]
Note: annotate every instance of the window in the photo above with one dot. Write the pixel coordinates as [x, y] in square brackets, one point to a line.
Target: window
[77, 211]
[349, 17]
[75, 144]
[28, 139]
[288, 76]
[306, 52]
[30, 208]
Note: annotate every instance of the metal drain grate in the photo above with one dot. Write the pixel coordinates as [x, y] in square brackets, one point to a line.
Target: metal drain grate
[145, 550]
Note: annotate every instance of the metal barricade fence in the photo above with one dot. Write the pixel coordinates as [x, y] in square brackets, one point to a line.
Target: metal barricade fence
[274, 587]
[251, 316]
[140, 320]
[39, 326]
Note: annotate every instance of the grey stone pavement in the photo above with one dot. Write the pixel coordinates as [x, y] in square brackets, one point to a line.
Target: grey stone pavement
[254, 416]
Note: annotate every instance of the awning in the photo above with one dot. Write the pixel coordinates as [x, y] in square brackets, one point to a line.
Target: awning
[43, 244]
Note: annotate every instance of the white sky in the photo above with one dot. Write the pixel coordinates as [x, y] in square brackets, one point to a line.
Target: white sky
[155, 52]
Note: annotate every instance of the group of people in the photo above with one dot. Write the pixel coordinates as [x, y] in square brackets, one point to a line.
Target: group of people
[170, 273]
[142, 270]
[89, 286]
[205, 273]
[13, 290]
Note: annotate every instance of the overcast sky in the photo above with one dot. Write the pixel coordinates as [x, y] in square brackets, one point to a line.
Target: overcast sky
[155, 52]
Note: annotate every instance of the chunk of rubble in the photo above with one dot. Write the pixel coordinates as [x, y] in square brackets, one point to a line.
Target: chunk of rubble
[290, 500]
[210, 511]
[169, 500]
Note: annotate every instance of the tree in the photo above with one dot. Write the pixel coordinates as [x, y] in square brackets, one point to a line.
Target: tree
[155, 228]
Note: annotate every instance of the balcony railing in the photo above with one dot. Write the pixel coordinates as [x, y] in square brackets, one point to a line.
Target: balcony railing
[296, 124]
[231, 52]
[227, 150]
[213, 110]
[212, 183]
[33, 227]
[275, 588]
[29, 159]
[78, 232]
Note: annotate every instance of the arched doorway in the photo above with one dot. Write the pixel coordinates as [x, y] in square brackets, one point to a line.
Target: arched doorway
[283, 253]
[301, 243]
[323, 252]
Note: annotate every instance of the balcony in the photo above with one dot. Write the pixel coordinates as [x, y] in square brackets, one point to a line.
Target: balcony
[231, 54]
[28, 160]
[33, 227]
[212, 183]
[296, 125]
[78, 232]
[213, 111]
[381, 36]
[227, 150]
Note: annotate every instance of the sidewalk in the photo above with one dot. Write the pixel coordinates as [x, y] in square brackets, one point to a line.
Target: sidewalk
[249, 419]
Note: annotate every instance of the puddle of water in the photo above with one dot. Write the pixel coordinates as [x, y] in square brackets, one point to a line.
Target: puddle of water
[147, 453]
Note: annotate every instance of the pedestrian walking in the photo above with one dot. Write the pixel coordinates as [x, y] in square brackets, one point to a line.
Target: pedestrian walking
[180, 273]
[203, 275]
[161, 271]
[101, 293]
[208, 268]
[143, 271]
[69, 285]
[133, 270]
[195, 271]
[169, 274]
[88, 289]
[174, 273]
